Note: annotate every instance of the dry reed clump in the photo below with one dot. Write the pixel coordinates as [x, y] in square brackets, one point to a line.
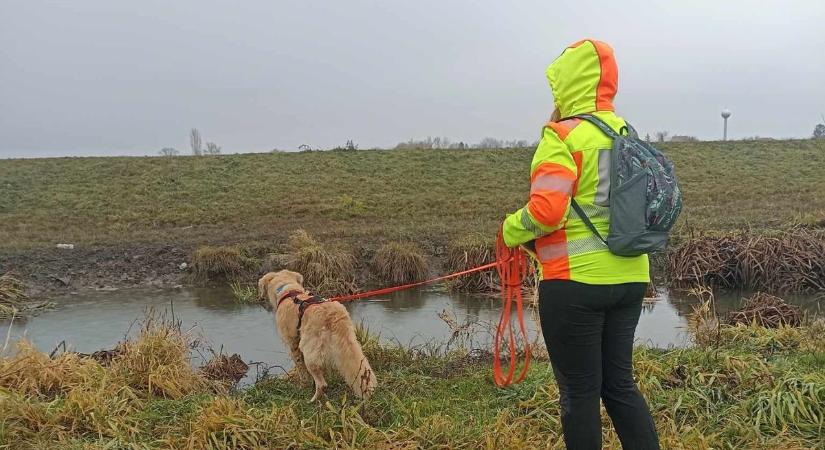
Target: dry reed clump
[326, 271]
[766, 311]
[13, 299]
[400, 263]
[221, 262]
[225, 369]
[29, 371]
[472, 251]
[157, 363]
[793, 261]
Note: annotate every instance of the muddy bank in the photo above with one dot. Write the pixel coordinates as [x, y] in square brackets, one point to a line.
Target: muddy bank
[54, 270]
[790, 262]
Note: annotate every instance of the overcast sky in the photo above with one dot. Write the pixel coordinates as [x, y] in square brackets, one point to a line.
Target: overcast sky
[105, 77]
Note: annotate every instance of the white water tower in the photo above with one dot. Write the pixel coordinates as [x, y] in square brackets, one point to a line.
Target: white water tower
[725, 115]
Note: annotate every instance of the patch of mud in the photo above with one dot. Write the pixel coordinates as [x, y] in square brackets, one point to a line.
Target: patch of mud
[56, 271]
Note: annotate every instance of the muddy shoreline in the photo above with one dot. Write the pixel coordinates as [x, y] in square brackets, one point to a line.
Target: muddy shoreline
[54, 271]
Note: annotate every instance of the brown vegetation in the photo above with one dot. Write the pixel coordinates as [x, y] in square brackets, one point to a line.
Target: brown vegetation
[766, 311]
[221, 262]
[790, 262]
[468, 252]
[326, 271]
[399, 263]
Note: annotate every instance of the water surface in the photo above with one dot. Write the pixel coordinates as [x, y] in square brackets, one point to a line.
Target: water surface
[92, 321]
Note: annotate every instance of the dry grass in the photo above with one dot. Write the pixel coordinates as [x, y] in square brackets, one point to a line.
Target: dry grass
[767, 311]
[754, 388]
[326, 271]
[790, 262]
[158, 362]
[12, 295]
[472, 251]
[221, 263]
[399, 263]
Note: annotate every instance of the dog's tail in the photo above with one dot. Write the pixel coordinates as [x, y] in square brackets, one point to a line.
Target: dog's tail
[353, 365]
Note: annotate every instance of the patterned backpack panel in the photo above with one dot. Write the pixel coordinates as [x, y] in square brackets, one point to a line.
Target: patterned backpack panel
[645, 199]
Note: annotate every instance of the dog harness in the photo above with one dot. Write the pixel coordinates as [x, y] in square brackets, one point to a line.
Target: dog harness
[302, 304]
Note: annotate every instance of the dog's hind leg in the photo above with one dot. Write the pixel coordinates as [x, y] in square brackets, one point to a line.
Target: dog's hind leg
[316, 369]
[300, 365]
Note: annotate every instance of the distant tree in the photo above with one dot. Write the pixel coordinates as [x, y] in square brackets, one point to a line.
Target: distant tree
[350, 146]
[647, 137]
[212, 149]
[304, 148]
[819, 131]
[168, 151]
[683, 138]
[195, 142]
[661, 136]
[489, 142]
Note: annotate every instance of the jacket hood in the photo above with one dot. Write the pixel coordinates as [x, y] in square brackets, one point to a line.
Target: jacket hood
[584, 78]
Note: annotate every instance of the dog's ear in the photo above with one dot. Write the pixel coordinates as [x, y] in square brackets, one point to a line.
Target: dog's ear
[262, 288]
[299, 278]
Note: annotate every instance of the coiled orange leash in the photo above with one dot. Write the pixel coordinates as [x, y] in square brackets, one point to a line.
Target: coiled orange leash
[512, 271]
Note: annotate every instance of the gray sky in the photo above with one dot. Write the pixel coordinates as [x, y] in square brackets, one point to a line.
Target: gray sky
[103, 77]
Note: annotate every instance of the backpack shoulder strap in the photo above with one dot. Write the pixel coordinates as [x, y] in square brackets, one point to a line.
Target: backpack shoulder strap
[585, 219]
[627, 130]
[599, 123]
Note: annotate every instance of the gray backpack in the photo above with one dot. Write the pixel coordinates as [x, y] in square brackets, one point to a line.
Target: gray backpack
[645, 199]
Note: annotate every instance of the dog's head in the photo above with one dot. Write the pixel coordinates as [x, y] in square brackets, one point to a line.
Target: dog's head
[278, 281]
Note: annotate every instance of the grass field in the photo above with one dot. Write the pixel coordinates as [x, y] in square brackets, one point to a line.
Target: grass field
[430, 196]
[751, 388]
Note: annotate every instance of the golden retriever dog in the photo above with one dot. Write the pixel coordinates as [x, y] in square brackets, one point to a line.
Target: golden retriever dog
[326, 335]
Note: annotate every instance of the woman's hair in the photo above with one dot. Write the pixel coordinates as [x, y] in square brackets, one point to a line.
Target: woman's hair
[556, 116]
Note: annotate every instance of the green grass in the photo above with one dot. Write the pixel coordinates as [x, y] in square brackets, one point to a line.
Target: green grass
[429, 196]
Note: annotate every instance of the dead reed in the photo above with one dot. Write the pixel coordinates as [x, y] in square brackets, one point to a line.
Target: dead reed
[12, 295]
[399, 263]
[225, 369]
[222, 263]
[471, 251]
[766, 311]
[790, 262]
[326, 271]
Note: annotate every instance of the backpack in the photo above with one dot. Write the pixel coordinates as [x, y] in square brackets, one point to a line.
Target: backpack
[645, 199]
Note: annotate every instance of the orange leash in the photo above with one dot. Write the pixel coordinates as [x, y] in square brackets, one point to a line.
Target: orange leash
[512, 267]
[512, 270]
[346, 298]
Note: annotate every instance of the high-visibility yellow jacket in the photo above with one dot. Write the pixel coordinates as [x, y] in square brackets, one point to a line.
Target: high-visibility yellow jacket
[573, 159]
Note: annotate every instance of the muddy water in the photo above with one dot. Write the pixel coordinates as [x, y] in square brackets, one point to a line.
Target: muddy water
[94, 321]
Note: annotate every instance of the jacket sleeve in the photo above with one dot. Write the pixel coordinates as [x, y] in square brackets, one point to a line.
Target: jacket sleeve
[552, 178]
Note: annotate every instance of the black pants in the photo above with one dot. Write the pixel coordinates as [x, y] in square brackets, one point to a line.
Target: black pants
[589, 334]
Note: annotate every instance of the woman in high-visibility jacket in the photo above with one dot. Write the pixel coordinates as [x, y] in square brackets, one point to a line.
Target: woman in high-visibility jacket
[589, 299]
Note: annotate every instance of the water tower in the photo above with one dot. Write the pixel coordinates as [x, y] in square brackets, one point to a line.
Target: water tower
[725, 115]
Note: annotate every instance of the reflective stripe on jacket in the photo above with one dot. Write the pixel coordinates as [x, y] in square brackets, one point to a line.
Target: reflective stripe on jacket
[573, 159]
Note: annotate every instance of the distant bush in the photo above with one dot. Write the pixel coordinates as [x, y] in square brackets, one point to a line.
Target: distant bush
[819, 131]
[212, 149]
[350, 146]
[168, 151]
[683, 138]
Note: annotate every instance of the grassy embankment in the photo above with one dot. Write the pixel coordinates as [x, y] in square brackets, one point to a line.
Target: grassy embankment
[367, 197]
[741, 387]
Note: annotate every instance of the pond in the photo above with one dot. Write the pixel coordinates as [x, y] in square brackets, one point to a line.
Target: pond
[98, 320]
